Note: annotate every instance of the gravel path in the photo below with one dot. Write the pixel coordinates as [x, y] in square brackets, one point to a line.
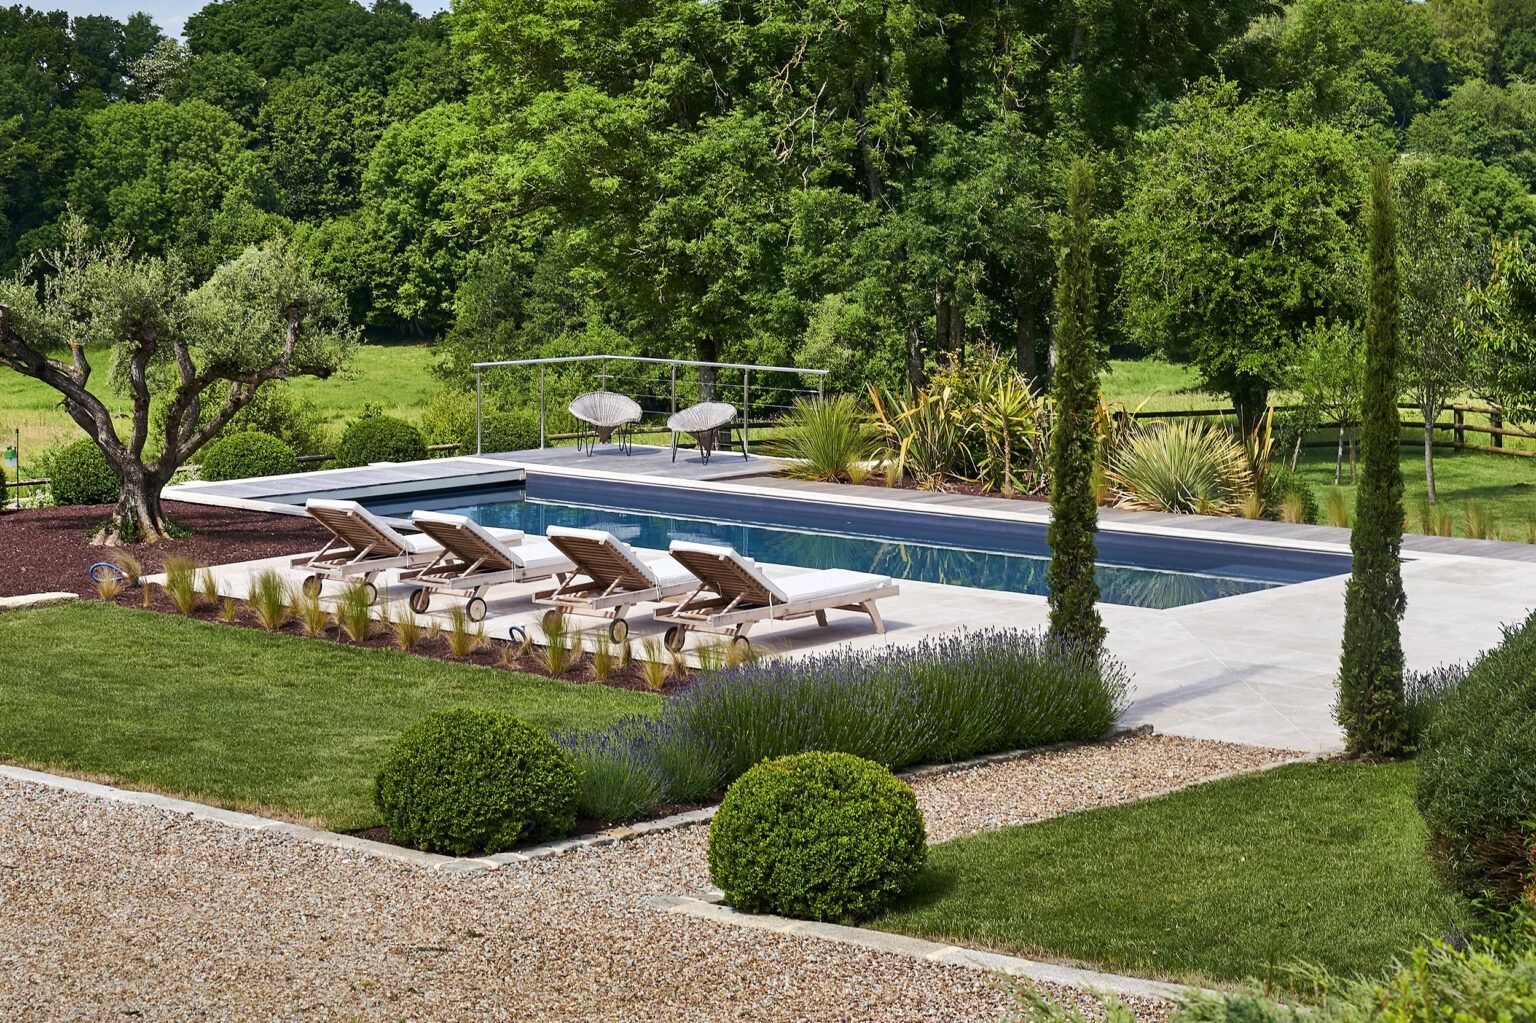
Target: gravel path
[112, 911]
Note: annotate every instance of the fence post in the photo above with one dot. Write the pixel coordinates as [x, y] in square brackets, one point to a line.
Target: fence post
[541, 408]
[746, 414]
[821, 386]
[1496, 422]
[478, 374]
[674, 389]
[1458, 427]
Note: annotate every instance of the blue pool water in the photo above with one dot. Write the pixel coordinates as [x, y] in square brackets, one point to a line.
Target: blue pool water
[1138, 569]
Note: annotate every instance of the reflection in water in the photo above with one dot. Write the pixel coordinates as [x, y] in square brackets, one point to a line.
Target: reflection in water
[1019, 573]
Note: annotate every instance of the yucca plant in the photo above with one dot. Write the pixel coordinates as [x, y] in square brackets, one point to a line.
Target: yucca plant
[653, 666]
[826, 437]
[1180, 467]
[462, 640]
[354, 611]
[207, 588]
[228, 614]
[558, 653]
[1010, 416]
[269, 598]
[406, 629]
[181, 583]
[313, 616]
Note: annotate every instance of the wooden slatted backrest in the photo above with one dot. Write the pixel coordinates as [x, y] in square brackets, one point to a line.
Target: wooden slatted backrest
[357, 527]
[604, 557]
[464, 539]
[727, 573]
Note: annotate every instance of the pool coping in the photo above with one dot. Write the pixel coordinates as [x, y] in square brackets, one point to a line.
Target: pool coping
[204, 493]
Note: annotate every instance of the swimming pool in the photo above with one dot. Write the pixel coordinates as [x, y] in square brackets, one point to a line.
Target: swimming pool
[1144, 570]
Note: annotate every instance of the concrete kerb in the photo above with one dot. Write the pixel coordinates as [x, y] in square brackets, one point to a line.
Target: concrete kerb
[932, 951]
[36, 600]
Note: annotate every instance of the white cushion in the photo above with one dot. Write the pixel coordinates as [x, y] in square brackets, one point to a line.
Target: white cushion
[542, 557]
[671, 575]
[829, 583]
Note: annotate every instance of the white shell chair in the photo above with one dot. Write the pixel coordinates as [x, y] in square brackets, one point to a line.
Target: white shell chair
[602, 414]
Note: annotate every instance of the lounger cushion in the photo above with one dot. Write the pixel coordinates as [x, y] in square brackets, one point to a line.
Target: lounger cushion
[543, 558]
[830, 583]
[670, 575]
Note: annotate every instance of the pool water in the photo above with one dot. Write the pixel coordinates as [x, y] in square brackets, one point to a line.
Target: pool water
[1143, 570]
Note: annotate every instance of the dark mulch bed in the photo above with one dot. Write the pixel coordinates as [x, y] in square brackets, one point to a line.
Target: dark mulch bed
[496, 654]
[952, 487]
[47, 550]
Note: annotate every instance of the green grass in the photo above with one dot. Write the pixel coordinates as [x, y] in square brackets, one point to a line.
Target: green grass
[1321, 863]
[397, 376]
[239, 718]
[1156, 386]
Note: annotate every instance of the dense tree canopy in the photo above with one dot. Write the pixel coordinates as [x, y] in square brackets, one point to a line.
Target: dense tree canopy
[861, 184]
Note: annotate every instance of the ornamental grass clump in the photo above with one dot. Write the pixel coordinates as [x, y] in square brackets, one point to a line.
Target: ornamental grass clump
[269, 599]
[406, 629]
[313, 616]
[560, 647]
[354, 611]
[109, 588]
[181, 583]
[821, 836]
[462, 640]
[826, 438]
[207, 588]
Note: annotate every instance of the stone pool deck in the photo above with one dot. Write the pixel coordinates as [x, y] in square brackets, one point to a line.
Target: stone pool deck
[1256, 668]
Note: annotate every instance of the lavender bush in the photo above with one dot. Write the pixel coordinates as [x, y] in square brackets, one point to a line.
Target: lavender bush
[941, 700]
[1425, 691]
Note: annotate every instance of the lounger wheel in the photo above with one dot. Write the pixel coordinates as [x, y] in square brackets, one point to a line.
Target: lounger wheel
[552, 619]
[676, 636]
[421, 599]
[475, 609]
[311, 585]
[618, 630]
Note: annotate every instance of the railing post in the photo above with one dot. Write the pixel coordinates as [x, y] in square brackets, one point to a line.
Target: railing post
[478, 406]
[541, 408]
[604, 374]
[674, 389]
[746, 414]
[821, 386]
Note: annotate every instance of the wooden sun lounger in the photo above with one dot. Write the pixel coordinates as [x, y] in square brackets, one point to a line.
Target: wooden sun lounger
[734, 594]
[361, 546]
[473, 559]
[610, 579]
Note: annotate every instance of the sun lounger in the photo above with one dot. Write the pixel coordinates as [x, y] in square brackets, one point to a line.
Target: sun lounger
[734, 594]
[362, 545]
[610, 578]
[472, 559]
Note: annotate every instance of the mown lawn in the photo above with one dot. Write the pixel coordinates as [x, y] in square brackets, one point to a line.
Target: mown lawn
[1318, 863]
[240, 718]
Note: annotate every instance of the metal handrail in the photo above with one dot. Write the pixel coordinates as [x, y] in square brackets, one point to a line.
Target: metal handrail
[746, 368]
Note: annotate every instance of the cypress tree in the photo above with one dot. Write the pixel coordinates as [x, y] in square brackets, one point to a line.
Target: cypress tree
[1371, 670]
[1074, 445]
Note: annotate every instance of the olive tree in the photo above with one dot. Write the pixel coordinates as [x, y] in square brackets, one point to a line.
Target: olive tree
[170, 346]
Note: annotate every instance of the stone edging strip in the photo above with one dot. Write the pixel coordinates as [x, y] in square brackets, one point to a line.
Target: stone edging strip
[931, 951]
[36, 600]
[350, 843]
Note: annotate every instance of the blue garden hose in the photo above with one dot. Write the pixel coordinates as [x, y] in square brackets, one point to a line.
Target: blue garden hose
[105, 570]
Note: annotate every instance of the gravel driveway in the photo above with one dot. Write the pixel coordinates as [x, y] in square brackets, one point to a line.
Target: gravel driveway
[109, 911]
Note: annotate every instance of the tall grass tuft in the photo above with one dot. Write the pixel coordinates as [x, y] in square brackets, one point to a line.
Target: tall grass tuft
[462, 640]
[559, 641]
[108, 589]
[405, 629]
[228, 613]
[1480, 523]
[605, 660]
[1251, 505]
[1336, 508]
[1293, 508]
[713, 656]
[826, 437]
[313, 616]
[653, 664]
[354, 611]
[129, 566]
[207, 588]
[181, 583]
[269, 598]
